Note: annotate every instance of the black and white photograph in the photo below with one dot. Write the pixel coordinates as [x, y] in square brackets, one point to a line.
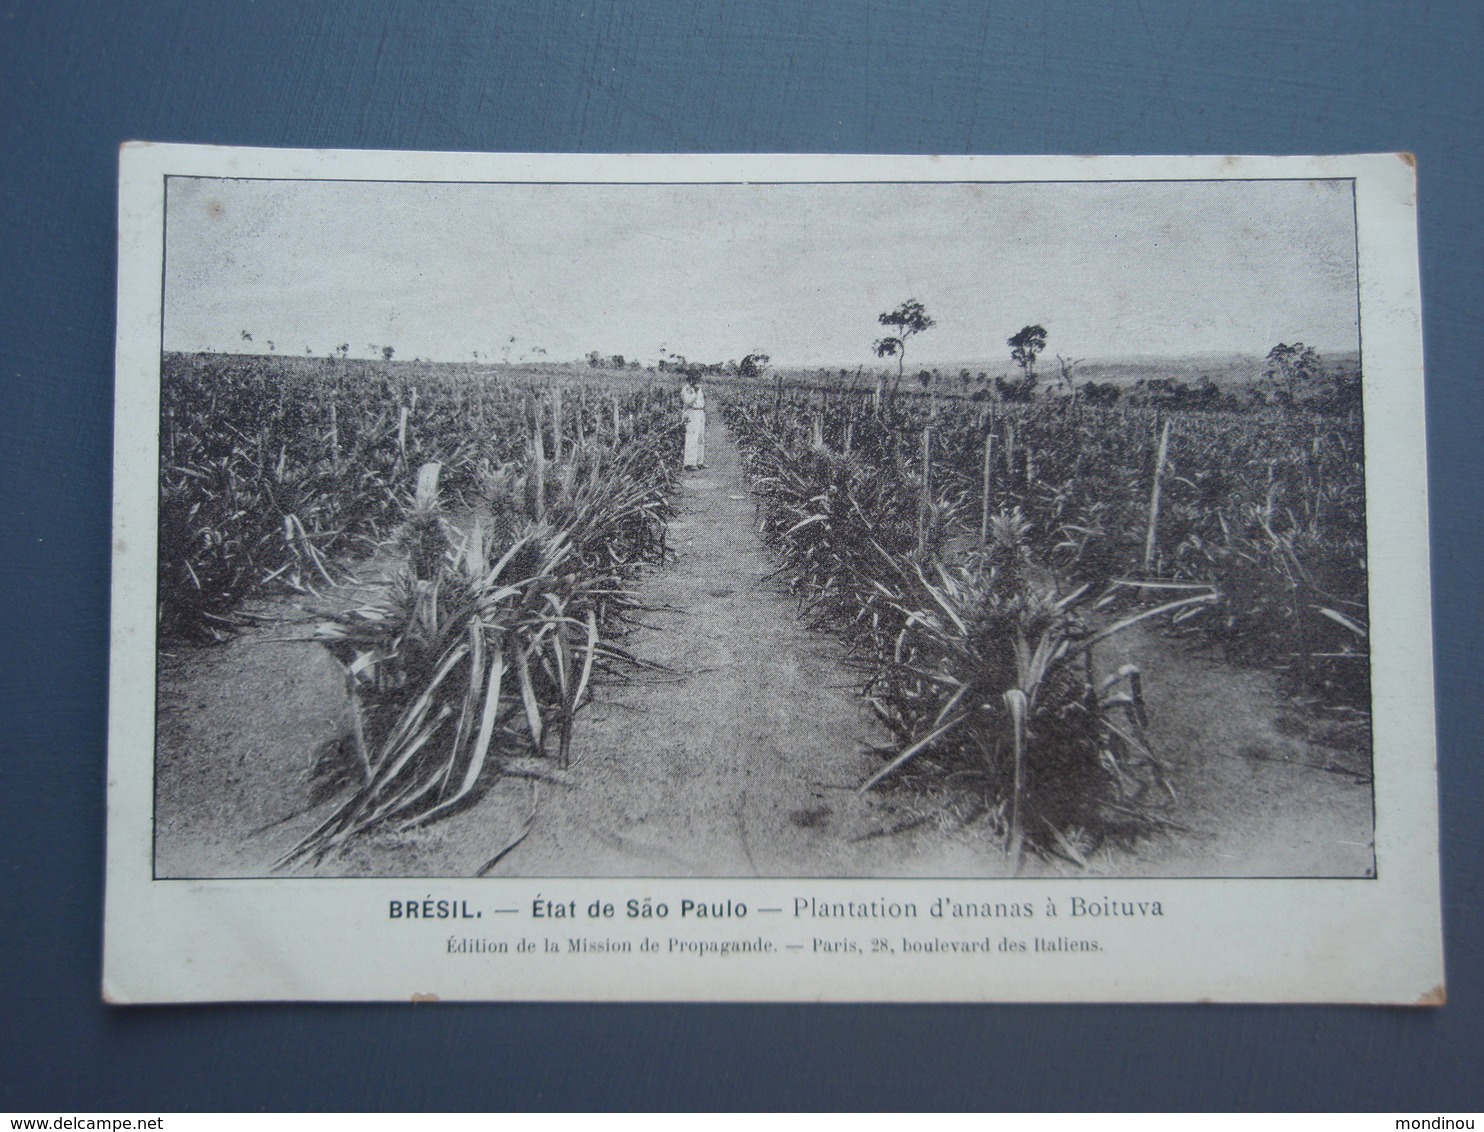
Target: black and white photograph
[762, 530]
[832, 528]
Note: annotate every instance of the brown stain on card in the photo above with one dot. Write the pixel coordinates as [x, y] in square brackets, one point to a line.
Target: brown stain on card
[1438, 996]
[419, 996]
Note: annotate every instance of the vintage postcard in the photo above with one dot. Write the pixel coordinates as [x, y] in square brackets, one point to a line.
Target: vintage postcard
[769, 578]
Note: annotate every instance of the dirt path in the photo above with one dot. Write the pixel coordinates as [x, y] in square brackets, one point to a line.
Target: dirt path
[743, 762]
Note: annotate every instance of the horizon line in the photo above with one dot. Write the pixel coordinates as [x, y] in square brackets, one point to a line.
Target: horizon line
[500, 363]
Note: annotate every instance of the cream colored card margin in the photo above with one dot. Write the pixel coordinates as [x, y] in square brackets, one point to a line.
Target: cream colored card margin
[1363, 941]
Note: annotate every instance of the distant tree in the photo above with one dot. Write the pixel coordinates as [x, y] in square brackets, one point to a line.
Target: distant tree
[1100, 394]
[753, 365]
[1172, 393]
[246, 337]
[594, 359]
[343, 350]
[617, 361]
[908, 319]
[1291, 372]
[1165, 392]
[1025, 345]
[386, 353]
[271, 347]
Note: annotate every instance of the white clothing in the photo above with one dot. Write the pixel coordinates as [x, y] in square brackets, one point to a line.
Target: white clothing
[693, 402]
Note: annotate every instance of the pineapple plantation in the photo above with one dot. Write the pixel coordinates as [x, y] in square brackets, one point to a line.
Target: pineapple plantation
[982, 561]
[469, 611]
[434, 620]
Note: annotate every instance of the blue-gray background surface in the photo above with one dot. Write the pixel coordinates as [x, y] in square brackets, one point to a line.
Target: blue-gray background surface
[77, 78]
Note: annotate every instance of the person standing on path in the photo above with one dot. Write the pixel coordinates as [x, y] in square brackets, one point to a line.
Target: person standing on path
[693, 411]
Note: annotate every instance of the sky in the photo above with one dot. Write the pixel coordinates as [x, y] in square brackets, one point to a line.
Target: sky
[800, 272]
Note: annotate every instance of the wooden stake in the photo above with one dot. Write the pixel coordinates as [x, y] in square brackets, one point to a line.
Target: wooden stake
[922, 510]
[538, 462]
[849, 435]
[334, 435]
[426, 492]
[1159, 467]
[988, 477]
[556, 424]
[1318, 483]
[1015, 701]
[615, 420]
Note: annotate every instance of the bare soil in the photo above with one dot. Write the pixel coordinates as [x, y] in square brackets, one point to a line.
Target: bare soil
[740, 758]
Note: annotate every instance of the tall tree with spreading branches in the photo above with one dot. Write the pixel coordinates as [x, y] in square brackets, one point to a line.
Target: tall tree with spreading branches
[1025, 345]
[908, 319]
